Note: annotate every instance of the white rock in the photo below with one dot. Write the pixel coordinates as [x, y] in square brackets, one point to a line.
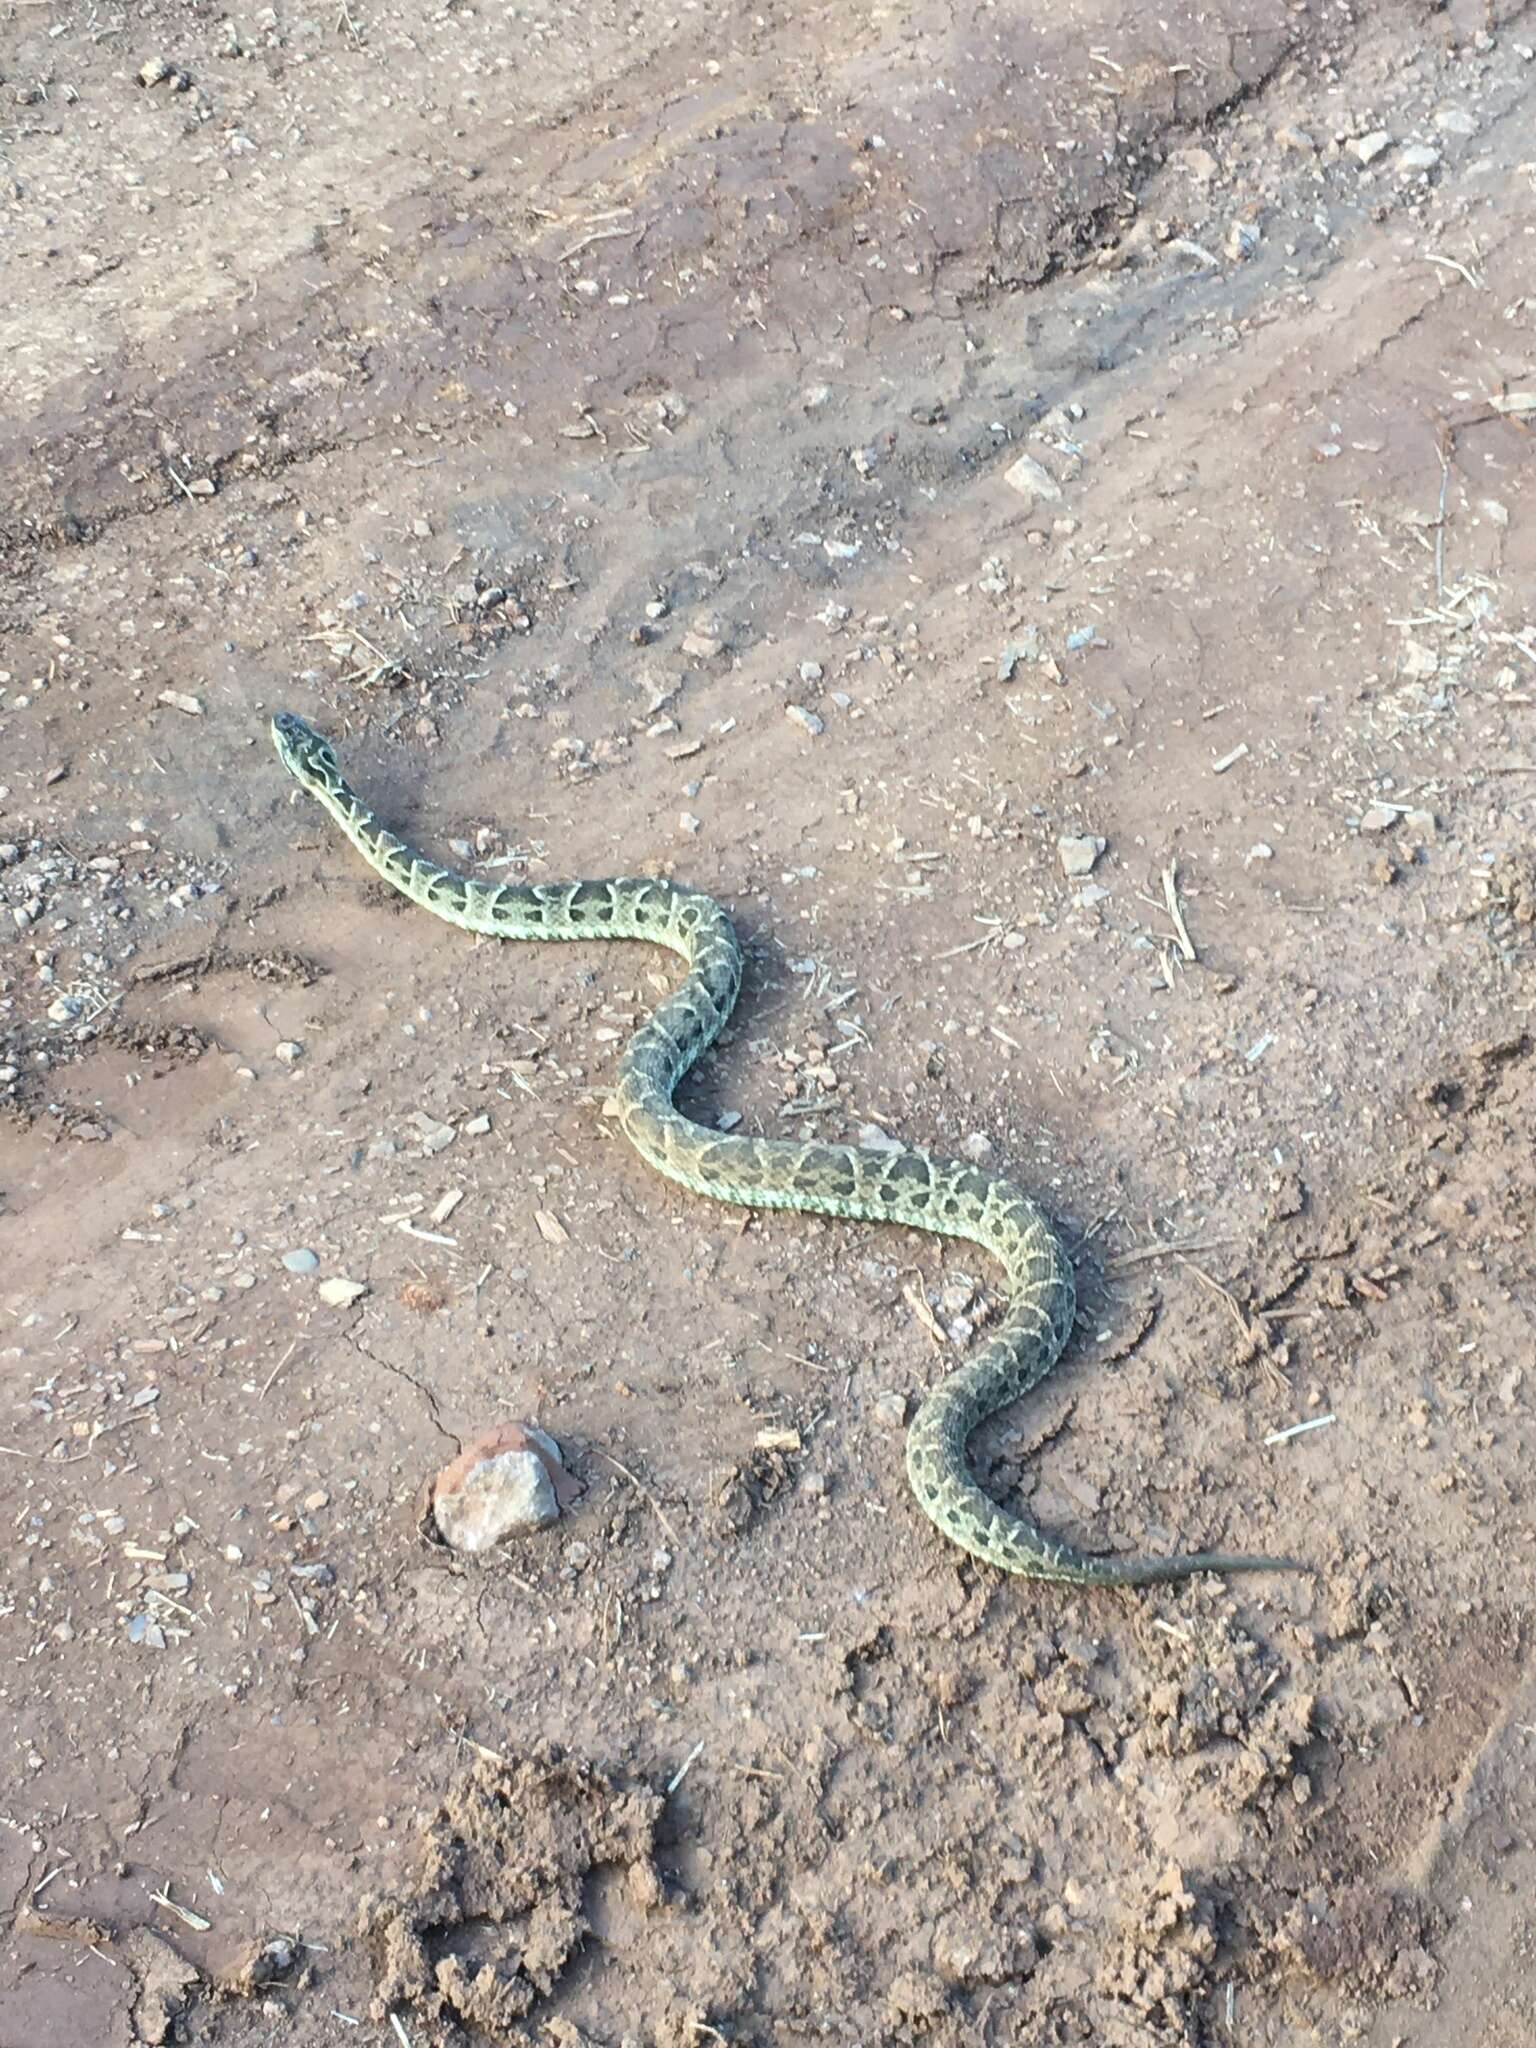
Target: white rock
[1455, 121]
[873, 1139]
[339, 1293]
[1078, 853]
[1418, 156]
[501, 1485]
[290, 1052]
[1366, 148]
[1031, 479]
[806, 720]
[891, 1411]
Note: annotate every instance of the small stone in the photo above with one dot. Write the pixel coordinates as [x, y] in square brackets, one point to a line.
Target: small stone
[687, 822]
[702, 646]
[1455, 121]
[1200, 163]
[476, 1126]
[978, 1148]
[301, 1261]
[65, 1009]
[810, 671]
[1031, 479]
[1419, 156]
[873, 1139]
[1366, 148]
[1078, 853]
[1301, 1788]
[435, 1136]
[891, 1411]
[180, 700]
[807, 720]
[1241, 241]
[1379, 818]
[487, 600]
[155, 72]
[289, 1051]
[815, 396]
[1421, 821]
[339, 1293]
[505, 1483]
[1295, 139]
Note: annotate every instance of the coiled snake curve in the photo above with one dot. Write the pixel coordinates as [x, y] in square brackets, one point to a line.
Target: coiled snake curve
[903, 1186]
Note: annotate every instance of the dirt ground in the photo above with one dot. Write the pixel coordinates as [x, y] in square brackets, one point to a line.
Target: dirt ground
[835, 457]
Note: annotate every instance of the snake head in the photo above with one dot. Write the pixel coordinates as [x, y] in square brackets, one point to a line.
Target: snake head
[304, 752]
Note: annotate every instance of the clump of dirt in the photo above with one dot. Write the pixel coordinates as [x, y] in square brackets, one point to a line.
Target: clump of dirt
[493, 1911]
[1230, 1703]
[166, 1986]
[1163, 1957]
[1363, 1939]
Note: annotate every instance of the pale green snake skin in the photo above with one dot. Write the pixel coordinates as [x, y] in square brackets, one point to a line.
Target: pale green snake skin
[905, 1186]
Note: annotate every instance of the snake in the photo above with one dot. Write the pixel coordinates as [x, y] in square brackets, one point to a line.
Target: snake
[902, 1185]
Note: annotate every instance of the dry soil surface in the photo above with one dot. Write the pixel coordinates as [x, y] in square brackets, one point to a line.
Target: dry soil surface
[835, 456]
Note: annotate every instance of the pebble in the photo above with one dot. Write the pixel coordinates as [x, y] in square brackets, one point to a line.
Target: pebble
[873, 1139]
[1079, 853]
[702, 646]
[1366, 148]
[1419, 156]
[1031, 479]
[891, 1411]
[978, 1148]
[289, 1051]
[435, 1137]
[301, 1261]
[687, 822]
[1455, 121]
[339, 1293]
[179, 700]
[1296, 139]
[808, 720]
[502, 1484]
[815, 396]
[1379, 818]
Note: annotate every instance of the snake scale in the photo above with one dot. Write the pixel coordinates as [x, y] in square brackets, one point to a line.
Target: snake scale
[901, 1186]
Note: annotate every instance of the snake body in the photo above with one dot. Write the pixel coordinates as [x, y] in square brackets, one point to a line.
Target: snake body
[902, 1186]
